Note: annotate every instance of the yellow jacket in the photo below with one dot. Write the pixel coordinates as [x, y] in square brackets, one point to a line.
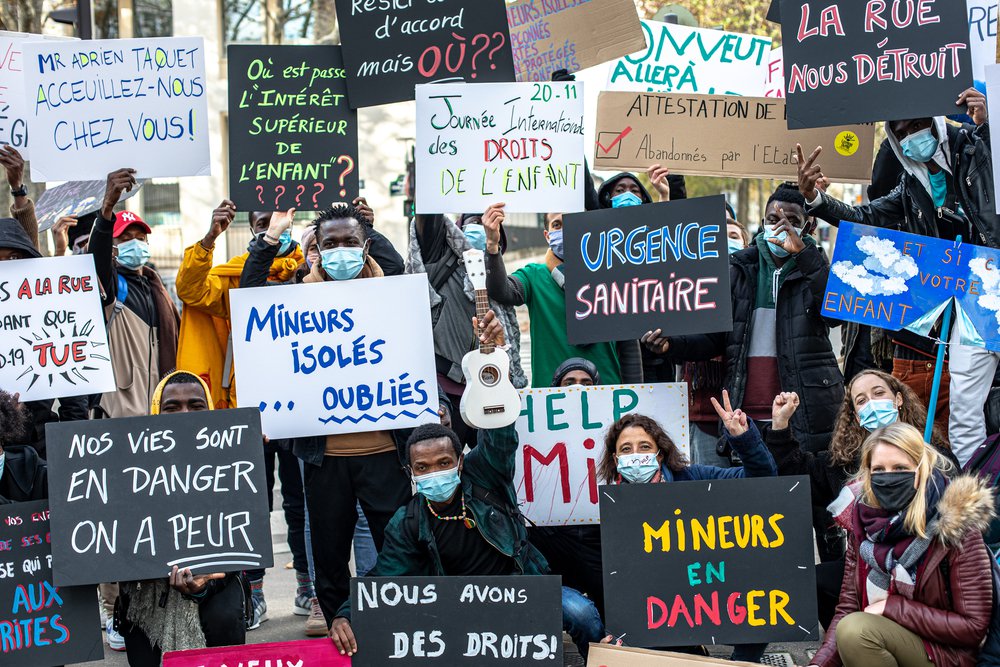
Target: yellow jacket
[205, 326]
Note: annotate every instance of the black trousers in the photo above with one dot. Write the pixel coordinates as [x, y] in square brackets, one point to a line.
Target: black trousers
[223, 619]
[333, 490]
[574, 552]
[829, 579]
[293, 503]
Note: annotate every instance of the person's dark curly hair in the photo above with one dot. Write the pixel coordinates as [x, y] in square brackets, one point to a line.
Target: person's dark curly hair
[671, 455]
[432, 431]
[340, 212]
[13, 418]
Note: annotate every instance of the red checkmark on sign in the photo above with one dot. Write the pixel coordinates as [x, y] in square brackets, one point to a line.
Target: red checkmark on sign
[618, 139]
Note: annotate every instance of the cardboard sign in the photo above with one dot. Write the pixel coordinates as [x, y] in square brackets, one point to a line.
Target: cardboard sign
[717, 135]
[53, 342]
[133, 497]
[658, 266]
[894, 280]
[293, 138]
[389, 47]
[518, 143]
[306, 653]
[454, 621]
[679, 59]
[562, 443]
[983, 18]
[549, 36]
[105, 104]
[336, 357]
[604, 655]
[857, 62]
[74, 199]
[774, 85]
[13, 104]
[683, 562]
[40, 624]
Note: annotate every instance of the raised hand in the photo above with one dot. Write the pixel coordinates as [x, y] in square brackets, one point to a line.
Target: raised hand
[280, 221]
[222, 217]
[655, 341]
[13, 163]
[492, 220]
[810, 173]
[735, 421]
[658, 177]
[60, 234]
[784, 406]
[365, 210]
[975, 104]
[122, 180]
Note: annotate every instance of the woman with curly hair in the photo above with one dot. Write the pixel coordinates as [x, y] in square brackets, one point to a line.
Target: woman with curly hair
[23, 474]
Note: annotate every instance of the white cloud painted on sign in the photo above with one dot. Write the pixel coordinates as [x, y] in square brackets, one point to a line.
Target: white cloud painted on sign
[883, 273]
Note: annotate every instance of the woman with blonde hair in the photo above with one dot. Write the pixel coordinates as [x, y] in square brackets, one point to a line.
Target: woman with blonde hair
[913, 591]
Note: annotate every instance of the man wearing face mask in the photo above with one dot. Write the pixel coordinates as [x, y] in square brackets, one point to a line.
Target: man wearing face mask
[780, 341]
[436, 248]
[143, 322]
[464, 520]
[624, 189]
[946, 191]
[541, 287]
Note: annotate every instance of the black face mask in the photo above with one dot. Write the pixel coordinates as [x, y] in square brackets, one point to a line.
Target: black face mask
[894, 491]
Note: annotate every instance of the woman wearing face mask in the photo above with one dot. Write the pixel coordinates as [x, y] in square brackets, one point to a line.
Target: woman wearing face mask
[916, 589]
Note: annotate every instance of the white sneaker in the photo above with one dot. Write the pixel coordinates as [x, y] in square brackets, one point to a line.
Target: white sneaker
[115, 641]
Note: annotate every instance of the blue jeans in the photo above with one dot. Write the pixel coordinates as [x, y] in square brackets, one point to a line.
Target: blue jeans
[581, 620]
[365, 553]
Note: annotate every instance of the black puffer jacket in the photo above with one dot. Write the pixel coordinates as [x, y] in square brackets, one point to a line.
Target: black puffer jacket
[910, 208]
[806, 363]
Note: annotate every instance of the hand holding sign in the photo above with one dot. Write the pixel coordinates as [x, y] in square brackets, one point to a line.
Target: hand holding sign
[122, 180]
[185, 582]
[60, 234]
[784, 406]
[655, 341]
[975, 103]
[658, 177]
[281, 221]
[13, 163]
[492, 220]
[364, 210]
[735, 421]
[810, 174]
[343, 636]
[222, 217]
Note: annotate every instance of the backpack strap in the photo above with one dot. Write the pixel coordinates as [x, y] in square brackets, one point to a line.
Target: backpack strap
[500, 504]
[120, 297]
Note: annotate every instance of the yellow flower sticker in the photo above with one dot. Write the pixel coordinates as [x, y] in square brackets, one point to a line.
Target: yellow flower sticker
[847, 143]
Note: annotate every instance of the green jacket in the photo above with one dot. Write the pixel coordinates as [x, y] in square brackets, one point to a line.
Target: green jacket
[488, 485]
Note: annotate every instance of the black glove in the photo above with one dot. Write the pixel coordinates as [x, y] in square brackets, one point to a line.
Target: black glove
[563, 75]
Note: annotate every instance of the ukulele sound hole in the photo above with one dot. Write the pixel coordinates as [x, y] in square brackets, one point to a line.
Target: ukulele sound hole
[489, 376]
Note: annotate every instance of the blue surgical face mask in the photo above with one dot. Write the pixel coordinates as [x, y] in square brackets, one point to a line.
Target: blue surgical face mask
[876, 414]
[556, 242]
[284, 242]
[133, 254]
[343, 263]
[735, 246]
[920, 146]
[626, 199]
[438, 487]
[475, 234]
[638, 468]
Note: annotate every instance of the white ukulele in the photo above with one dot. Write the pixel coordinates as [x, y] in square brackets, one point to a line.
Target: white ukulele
[490, 400]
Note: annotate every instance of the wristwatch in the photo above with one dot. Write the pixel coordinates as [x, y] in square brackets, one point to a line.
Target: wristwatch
[20, 192]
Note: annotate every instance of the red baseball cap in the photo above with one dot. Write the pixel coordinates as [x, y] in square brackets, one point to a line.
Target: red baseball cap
[125, 219]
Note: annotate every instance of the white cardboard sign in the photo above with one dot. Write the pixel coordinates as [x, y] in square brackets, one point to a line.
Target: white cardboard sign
[517, 143]
[98, 106]
[336, 357]
[982, 35]
[993, 107]
[679, 59]
[53, 342]
[562, 442]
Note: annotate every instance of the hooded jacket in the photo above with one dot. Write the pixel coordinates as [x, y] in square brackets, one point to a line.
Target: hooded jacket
[25, 476]
[962, 151]
[806, 362]
[13, 236]
[953, 600]
[203, 345]
[604, 192]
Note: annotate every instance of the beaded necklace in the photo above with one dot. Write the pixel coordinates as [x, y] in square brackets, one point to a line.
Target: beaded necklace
[469, 521]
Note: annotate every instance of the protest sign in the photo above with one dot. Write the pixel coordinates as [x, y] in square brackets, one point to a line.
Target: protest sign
[40, 624]
[894, 280]
[546, 37]
[982, 36]
[774, 11]
[389, 47]
[133, 497]
[104, 104]
[717, 135]
[605, 655]
[682, 561]
[13, 104]
[774, 85]
[53, 342]
[518, 143]
[292, 134]
[336, 357]
[562, 442]
[456, 621]
[75, 199]
[306, 653]
[629, 272]
[679, 59]
[856, 62]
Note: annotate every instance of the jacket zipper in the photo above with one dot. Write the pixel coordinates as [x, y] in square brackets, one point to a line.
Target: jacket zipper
[516, 562]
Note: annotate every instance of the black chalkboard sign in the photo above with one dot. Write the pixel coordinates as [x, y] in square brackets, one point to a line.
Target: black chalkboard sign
[132, 497]
[712, 562]
[854, 62]
[392, 45]
[636, 269]
[774, 11]
[293, 138]
[455, 621]
[40, 624]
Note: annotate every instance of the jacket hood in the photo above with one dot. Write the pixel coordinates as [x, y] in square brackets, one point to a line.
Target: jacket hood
[918, 169]
[154, 408]
[13, 236]
[604, 194]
